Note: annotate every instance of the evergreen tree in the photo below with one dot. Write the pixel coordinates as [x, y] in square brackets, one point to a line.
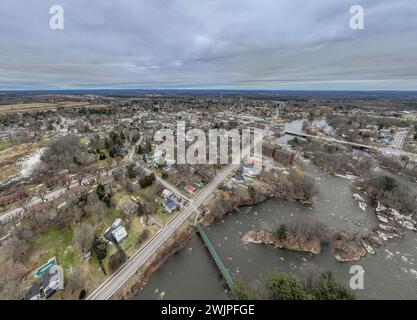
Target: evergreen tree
[326, 288]
[100, 248]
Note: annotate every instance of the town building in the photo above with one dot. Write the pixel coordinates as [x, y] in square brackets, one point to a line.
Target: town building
[281, 155]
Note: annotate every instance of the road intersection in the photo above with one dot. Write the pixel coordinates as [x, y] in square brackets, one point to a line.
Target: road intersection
[114, 282]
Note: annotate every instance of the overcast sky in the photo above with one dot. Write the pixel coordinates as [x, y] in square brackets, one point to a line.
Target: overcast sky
[208, 44]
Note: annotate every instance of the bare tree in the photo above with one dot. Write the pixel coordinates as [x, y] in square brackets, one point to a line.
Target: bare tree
[81, 174]
[109, 165]
[95, 206]
[63, 153]
[67, 181]
[42, 192]
[11, 284]
[96, 171]
[76, 282]
[84, 237]
[406, 160]
[18, 243]
[118, 160]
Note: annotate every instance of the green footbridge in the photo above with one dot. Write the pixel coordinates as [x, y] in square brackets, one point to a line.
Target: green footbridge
[226, 276]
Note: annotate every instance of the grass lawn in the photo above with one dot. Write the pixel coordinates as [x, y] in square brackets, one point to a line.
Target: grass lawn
[61, 243]
[56, 243]
[6, 144]
[148, 194]
[102, 163]
[131, 244]
[161, 215]
[120, 198]
[84, 140]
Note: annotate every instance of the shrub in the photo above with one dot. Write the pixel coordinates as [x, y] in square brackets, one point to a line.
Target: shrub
[252, 192]
[293, 142]
[82, 294]
[131, 172]
[143, 236]
[282, 232]
[100, 248]
[240, 292]
[147, 181]
[116, 260]
[388, 183]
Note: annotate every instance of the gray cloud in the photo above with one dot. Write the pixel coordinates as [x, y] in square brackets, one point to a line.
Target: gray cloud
[270, 44]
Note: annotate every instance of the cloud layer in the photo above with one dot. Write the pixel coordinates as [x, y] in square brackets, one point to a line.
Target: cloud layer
[242, 44]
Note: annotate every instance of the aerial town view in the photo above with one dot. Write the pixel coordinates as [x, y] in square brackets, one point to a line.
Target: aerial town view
[210, 150]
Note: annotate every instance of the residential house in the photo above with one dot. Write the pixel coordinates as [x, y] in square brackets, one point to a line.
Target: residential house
[252, 171]
[200, 183]
[116, 233]
[10, 198]
[170, 205]
[73, 192]
[167, 194]
[130, 207]
[52, 280]
[34, 292]
[119, 234]
[191, 188]
[105, 180]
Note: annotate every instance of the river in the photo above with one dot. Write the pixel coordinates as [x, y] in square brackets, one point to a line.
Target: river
[191, 274]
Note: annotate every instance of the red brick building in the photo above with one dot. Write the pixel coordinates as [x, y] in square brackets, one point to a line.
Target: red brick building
[278, 154]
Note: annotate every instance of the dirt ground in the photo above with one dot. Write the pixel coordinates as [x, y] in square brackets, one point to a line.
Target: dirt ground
[9, 158]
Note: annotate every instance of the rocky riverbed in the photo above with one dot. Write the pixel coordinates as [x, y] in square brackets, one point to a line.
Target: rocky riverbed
[302, 244]
[347, 246]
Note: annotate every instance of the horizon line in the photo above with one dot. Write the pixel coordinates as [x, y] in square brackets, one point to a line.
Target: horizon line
[210, 89]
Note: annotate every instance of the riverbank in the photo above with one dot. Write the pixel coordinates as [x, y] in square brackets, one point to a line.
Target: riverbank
[346, 245]
[142, 276]
[222, 202]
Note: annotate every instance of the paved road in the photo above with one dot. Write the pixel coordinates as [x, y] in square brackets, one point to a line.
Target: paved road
[109, 287]
[168, 185]
[114, 282]
[17, 212]
[330, 139]
[389, 151]
[398, 141]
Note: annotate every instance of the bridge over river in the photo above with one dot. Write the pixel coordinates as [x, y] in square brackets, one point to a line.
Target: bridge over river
[386, 151]
[226, 276]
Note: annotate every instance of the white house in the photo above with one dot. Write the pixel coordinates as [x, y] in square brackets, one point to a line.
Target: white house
[119, 234]
[52, 280]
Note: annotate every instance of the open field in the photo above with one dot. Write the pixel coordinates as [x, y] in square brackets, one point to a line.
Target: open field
[10, 156]
[32, 107]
